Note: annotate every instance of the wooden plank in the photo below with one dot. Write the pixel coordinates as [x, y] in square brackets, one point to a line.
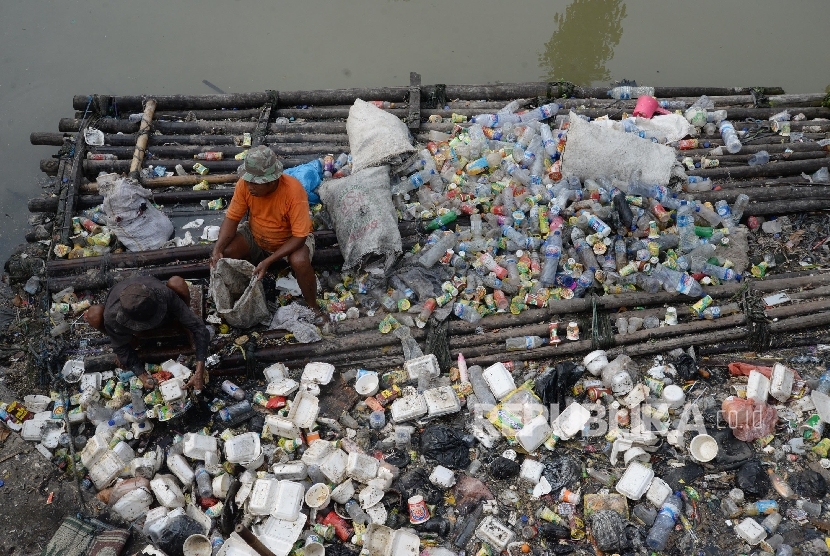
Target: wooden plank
[413, 119]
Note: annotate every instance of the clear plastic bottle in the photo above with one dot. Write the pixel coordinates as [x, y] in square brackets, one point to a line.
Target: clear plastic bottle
[725, 214]
[673, 280]
[432, 255]
[427, 309]
[730, 137]
[738, 208]
[356, 512]
[233, 390]
[719, 272]
[586, 254]
[466, 313]
[626, 92]
[686, 228]
[524, 342]
[541, 113]
[658, 535]
[552, 250]
[758, 159]
[784, 550]
[387, 301]
[204, 486]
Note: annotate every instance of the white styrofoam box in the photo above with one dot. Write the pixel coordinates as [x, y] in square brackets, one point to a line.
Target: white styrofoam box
[124, 452]
[196, 445]
[133, 504]
[571, 421]
[334, 466]
[167, 491]
[159, 512]
[177, 370]
[275, 372]
[408, 408]
[757, 387]
[317, 452]
[279, 535]
[36, 403]
[404, 543]
[361, 467]
[534, 433]
[289, 500]
[196, 514]
[172, 390]
[91, 380]
[377, 514]
[236, 546]
[750, 531]
[441, 476]
[304, 410]
[442, 401]
[72, 370]
[33, 429]
[531, 470]
[283, 387]
[281, 426]
[291, 471]
[106, 470]
[378, 539]
[637, 395]
[94, 450]
[658, 492]
[595, 361]
[425, 364]
[263, 496]
[781, 382]
[495, 533]
[318, 373]
[242, 448]
[635, 481]
[499, 380]
[179, 466]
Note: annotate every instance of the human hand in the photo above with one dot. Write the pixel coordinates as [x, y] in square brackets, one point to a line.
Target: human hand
[197, 381]
[261, 269]
[214, 258]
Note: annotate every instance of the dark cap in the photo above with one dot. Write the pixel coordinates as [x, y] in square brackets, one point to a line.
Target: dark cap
[142, 308]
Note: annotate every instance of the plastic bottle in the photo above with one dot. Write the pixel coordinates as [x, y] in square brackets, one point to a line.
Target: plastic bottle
[758, 159]
[356, 513]
[812, 508]
[427, 309]
[466, 313]
[738, 208]
[673, 280]
[236, 413]
[441, 221]
[761, 507]
[586, 254]
[432, 255]
[233, 390]
[730, 137]
[784, 550]
[377, 419]
[658, 535]
[480, 387]
[626, 92]
[541, 113]
[719, 272]
[204, 486]
[386, 300]
[487, 261]
[771, 522]
[524, 342]
[686, 228]
[552, 250]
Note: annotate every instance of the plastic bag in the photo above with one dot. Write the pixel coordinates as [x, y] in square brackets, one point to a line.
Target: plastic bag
[445, 445]
[297, 319]
[238, 295]
[553, 385]
[748, 419]
[503, 468]
[375, 136]
[608, 529]
[364, 218]
[310, 175]
[171, 538]
[752, 478]
[130, 214]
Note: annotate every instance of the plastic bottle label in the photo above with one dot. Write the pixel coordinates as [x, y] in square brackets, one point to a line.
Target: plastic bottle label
[529, 342]
[685, 284]
[715, 312]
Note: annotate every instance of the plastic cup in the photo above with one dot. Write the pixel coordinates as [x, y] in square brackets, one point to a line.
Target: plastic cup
[343, 492]
[196, 545]
[314, 546]
[703, 448]
[367, 385]
[317, 496]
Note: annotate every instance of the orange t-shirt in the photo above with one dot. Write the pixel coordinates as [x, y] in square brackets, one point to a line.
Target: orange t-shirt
[275, 218]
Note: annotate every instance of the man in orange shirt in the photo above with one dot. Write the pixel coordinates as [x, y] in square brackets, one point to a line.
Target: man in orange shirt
[278, 225]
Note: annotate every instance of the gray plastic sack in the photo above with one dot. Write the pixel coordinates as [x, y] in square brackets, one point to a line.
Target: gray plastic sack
[238, 295]
[375, 137]
[131, 216]
[364, 218]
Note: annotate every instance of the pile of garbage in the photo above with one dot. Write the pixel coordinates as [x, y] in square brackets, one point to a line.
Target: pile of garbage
[629, 458]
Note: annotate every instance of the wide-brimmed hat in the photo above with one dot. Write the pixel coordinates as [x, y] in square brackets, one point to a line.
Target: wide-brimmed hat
[260, 166]
[142, 308]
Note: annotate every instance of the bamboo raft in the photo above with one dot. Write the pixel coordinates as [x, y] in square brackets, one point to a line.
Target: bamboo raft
[173, 128]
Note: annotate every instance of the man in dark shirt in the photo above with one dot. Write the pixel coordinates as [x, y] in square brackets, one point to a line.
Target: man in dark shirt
[139, 304]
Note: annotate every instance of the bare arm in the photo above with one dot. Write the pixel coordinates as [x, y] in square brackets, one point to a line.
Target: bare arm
[227, 231]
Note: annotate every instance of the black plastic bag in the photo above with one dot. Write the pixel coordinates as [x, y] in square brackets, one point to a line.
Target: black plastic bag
[686, 366]
[445, 445]
[752, 478]
[808, 484]
[562, 471]
[503, 468]
[171, 539]
[554, 384]
[608, 529]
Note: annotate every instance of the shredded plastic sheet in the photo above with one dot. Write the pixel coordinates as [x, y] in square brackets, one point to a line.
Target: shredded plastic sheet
[131, 215]
[299, 320]
[594, 151]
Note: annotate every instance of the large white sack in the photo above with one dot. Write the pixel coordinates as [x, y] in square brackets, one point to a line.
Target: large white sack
[376, 137]
[593, 151]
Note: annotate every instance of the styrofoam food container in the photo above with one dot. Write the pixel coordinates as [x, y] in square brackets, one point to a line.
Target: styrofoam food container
[94, 450]
[370, 496]
[221, 484]
[499, 380]
[275, 372]
[408, 408]
[263, 497]
[317, 496]
[289, 500]
[290, 471]
[658, 492]
[36, 403]
[151, 516]
[177, 369]
[106, 470]
[361, 467]
[635, 481]
[674, 396]
[172, 390]
[279, 535]
[750, 531]
[595, 361]
[282, 387]
[281, 426]
[343, 492]
[167, 491]
[304, 410]
[442, 401]
[180, 468]
[425, 364]
[243, 448]
[571, 421]
[134, 503]
[33, 429]
[534, 433]
[377, 513]
[531, 470]
[757, 387]
[72, 370]
[781, 382]
[367, 385]
[703, 448]
[318, 373]
[495, 533]
[91, 380]
[334, 466]
[196, 445]
[317, 452]
[441, 476]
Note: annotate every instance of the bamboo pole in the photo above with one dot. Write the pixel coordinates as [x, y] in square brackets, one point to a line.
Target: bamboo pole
[774, 169]
[187, 102]
[766, 193]
[94, 167]
[143, 133]
[228, 152]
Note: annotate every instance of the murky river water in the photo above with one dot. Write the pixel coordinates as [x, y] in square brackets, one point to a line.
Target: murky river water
[50, 51]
